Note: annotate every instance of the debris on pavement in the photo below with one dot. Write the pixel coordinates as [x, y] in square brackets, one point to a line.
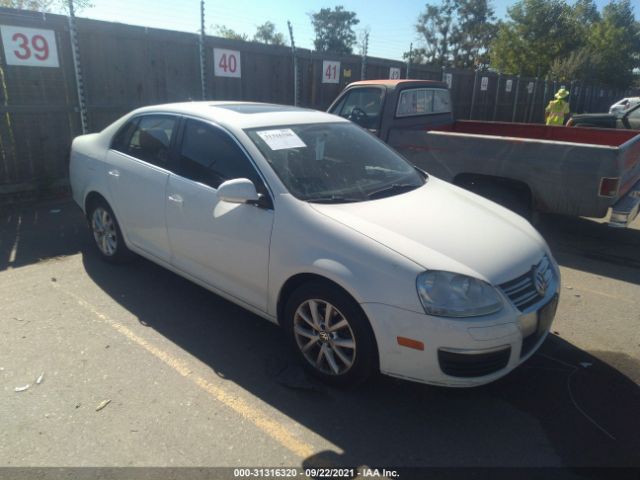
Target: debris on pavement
[40, 378]
[55, 210]
[103, 404]
[23, 388]
[585, 364]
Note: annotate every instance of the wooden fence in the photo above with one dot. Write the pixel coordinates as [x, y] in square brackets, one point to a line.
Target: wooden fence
[124, 67]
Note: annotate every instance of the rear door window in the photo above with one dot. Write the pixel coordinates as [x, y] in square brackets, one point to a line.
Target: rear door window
[151, 139]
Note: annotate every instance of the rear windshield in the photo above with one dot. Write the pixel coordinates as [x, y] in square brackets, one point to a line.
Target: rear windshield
[423, 101]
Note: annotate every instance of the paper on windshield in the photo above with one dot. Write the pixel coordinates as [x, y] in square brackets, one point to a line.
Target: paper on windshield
[281, 139]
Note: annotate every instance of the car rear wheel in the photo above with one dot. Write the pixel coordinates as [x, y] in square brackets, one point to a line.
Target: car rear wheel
[107, 234]
[330, 334]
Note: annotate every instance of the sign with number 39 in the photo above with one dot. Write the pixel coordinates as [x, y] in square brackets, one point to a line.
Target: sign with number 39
[226, 63]
[31, 47]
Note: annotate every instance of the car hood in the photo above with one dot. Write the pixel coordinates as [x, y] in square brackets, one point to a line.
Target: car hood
[443, 227]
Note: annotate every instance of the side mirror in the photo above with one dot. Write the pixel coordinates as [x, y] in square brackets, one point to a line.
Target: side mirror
[238, 190]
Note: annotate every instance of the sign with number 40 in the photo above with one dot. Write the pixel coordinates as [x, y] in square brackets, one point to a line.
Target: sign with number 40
[29, 47]
[226, 63]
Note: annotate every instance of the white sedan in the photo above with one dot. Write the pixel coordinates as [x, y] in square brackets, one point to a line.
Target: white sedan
[369, 264]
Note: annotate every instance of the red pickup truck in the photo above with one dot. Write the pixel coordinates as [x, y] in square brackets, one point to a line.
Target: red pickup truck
[526, 167]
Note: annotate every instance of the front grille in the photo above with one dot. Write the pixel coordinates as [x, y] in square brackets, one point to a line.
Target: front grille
[473, 364]
[523, 292]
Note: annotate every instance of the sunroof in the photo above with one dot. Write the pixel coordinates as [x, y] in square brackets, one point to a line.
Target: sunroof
[256, 107]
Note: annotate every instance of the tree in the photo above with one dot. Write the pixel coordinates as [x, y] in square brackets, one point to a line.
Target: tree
[616, 42]
[578, 65]
[536, 33]
[266, 33]
[473, 32]
[435, 25]
[570, 42]
[59, 6]
[334, 30]
[455, 33]
[226, 32]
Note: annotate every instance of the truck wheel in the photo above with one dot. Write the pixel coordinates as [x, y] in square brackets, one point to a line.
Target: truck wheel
[330, 334]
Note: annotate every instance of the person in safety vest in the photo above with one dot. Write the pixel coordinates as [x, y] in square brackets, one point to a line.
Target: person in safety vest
[558, 108]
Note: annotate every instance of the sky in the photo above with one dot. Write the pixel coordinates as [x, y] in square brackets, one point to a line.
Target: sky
[391, 24]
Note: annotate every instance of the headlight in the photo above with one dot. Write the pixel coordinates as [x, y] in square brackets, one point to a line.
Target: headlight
[448, 294]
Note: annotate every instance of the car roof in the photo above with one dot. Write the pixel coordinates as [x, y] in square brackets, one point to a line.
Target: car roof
[630, 99]
[244, 114]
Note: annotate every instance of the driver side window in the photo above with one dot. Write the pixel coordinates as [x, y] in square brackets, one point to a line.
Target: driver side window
[362, 106]
[210, 156]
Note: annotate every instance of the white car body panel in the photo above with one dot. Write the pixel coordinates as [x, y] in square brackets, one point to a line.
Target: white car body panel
[223, 244]
[138, 192]
[374, 250]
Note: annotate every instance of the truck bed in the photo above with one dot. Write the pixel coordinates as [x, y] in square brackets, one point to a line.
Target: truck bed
[562, 167]
[591, 136]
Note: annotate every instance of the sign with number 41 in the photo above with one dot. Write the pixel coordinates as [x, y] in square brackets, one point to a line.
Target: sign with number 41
[330, 72]
[29, 47]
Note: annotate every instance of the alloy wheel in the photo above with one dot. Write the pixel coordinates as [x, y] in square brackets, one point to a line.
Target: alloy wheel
[104, 231]
[324, 337]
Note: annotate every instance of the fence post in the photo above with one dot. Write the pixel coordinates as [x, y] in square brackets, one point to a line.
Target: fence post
[495, 104]
[203, 78]
[515, 100]
[473, 95]
[533, 100]
[77, 68]
[365, 46]
[295, 65]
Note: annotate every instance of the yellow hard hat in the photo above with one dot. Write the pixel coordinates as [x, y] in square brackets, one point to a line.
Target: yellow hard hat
[562, 93]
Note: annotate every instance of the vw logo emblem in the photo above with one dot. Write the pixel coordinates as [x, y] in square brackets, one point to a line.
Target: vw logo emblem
[540, 281]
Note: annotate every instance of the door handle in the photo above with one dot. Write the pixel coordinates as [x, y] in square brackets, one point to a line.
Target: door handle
[114, 173]
[175, 198]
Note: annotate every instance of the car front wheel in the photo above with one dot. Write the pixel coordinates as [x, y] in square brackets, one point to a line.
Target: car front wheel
[330, 334]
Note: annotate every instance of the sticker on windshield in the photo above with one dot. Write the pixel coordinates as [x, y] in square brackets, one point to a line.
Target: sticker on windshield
[281, 139]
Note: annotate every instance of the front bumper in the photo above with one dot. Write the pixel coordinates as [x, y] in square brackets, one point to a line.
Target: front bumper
[458, 352]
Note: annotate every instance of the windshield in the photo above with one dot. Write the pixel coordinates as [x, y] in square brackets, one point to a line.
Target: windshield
[334, 162]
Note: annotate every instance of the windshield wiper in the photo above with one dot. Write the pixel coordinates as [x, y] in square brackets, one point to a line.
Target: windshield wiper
[333, 199]
[392, 190]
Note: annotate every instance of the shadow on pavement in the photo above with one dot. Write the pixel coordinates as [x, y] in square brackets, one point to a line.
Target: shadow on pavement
[564, 407]
[29, 234]
[593, 247]
[553, 411]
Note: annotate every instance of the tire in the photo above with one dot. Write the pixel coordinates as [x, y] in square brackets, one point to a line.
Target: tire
[349, 363]
[106, 233]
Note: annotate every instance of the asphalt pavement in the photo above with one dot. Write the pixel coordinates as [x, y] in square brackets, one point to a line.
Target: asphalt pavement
[143, 368]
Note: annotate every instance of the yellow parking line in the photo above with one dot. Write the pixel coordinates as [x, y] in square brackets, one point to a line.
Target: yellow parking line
[269, 426]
